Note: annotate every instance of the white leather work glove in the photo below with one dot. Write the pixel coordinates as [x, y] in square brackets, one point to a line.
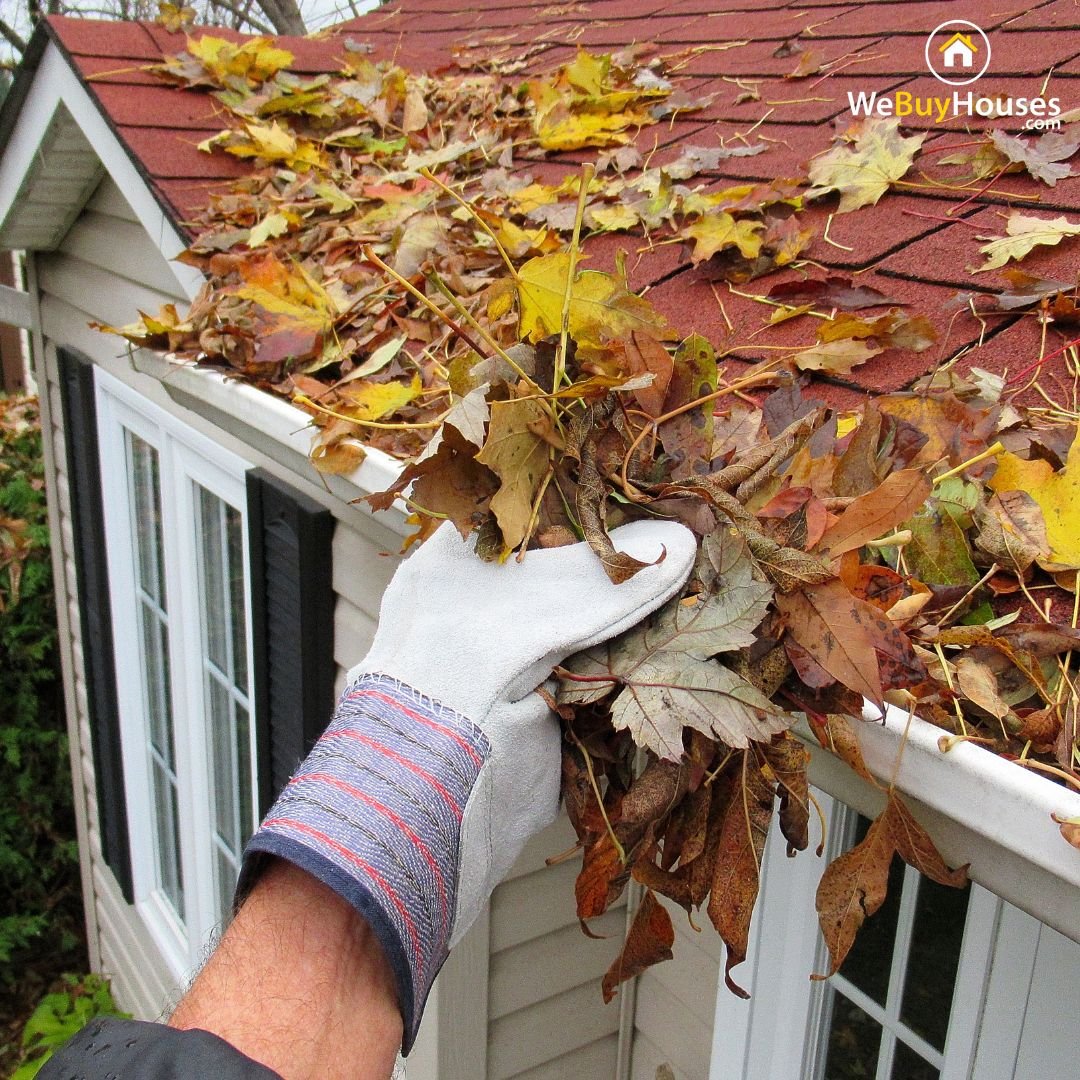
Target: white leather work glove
[441, 761]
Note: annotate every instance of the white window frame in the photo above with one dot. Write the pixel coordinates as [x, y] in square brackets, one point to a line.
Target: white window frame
[779, 1031]
[185, 458]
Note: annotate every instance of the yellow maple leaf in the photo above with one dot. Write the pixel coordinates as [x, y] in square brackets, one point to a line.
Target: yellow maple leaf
[373, 401]
[520, 242]
[1023, 234]
[715, 232]
[519, 457]
[862, 172]
[578, 130]
[601, 307]
[255, 61]
[588, 72]
[1058, 496]
[270, 143]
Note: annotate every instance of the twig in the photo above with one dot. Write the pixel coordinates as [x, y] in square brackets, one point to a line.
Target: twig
[596, 792]
[587, 171]
[989, 452]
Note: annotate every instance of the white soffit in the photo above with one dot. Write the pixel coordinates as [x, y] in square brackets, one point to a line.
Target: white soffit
[59, 150]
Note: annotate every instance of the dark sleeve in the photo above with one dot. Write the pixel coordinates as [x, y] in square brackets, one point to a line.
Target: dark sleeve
[111, 1049]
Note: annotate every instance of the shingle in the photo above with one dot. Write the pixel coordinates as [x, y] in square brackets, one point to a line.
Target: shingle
[906, 245]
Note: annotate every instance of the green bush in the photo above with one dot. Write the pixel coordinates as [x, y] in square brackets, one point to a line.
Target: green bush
[60, 1015]
[41, 925]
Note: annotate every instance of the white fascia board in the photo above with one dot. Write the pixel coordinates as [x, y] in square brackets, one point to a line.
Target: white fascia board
[56, 83]
[978, 808]
[15, 308]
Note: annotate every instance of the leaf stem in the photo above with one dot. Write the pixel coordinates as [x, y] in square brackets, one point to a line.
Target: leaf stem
[429, 175]
[989, 452]
[534, 515]
[587, 171]
[418, 425]
[596, 792]
[413, 291]
[755, 379]
[1061, 774]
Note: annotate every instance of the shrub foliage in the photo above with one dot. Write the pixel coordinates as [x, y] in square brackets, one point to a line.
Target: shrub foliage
[41, 927]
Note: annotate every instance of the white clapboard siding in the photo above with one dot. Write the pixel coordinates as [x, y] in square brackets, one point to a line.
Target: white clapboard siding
[365, 559]
[121, 248]
[549, 1029]
[552, 964]
[353, 631]
[669, 1026]
[546, 1014]
[648, 1058]
[1048, 1044]
[597, 1061]
[108, 199]
[100, 294]
[676, 1002]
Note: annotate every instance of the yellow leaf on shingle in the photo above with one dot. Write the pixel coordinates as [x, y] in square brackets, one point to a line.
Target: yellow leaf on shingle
[718, 231]
[601, 307]
[1058, 496]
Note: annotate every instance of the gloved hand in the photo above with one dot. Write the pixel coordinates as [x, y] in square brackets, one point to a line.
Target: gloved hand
[441, 761]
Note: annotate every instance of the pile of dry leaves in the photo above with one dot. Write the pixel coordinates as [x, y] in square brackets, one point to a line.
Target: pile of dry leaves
[388, 268]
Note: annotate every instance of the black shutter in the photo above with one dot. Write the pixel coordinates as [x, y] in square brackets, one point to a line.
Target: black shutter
[76, 373]
[292, 623]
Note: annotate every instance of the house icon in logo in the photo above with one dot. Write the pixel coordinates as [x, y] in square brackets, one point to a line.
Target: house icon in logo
[959, 47]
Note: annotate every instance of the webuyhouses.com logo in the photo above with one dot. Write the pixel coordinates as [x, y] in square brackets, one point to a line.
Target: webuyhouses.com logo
[958, 54]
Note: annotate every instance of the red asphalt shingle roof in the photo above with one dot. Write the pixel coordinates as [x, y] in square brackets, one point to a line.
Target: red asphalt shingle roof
[901, 246]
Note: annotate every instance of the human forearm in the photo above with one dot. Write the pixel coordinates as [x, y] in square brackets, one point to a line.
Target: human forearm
[300, 984]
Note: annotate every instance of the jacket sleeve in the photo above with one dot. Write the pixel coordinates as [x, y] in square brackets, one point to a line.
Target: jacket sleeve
[112, 1049]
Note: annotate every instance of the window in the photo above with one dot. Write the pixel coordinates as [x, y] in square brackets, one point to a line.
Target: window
[174, 507]
[887, 1011]
[906, 1005]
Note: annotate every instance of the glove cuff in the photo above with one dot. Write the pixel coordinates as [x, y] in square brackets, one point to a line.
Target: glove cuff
[375, 812]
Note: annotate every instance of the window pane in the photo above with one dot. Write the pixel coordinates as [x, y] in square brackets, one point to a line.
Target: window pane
[245, 800]
[215, 605]
[146, 499]
[940, 914]
[224, 662]
[171, 881]
[226, 874]
[907, 1065]
[853, 1042]
[868, 963]
[237, 600]
[152, 615]
[223, 762]
[156, 674]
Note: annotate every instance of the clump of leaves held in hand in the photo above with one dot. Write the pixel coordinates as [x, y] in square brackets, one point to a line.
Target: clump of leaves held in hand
[844, 557]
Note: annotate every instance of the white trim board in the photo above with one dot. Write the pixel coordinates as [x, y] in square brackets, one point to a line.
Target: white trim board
[56, 85]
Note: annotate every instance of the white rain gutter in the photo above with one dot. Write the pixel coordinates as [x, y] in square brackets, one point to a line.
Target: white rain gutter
[978, 807]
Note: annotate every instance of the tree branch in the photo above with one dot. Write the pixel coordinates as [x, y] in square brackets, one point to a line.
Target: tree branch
[284, 15]
[243, 15]
[13, 37]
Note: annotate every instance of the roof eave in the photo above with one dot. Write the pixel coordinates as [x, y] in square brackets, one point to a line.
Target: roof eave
[57, 144]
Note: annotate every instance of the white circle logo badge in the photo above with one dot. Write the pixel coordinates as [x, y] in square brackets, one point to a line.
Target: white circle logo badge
[957, 52]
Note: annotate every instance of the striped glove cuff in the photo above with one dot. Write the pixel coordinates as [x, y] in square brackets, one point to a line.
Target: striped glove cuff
[375, 812]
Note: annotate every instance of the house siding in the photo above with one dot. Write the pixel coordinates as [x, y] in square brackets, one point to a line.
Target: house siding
[546, 1016]
[676, 1000]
